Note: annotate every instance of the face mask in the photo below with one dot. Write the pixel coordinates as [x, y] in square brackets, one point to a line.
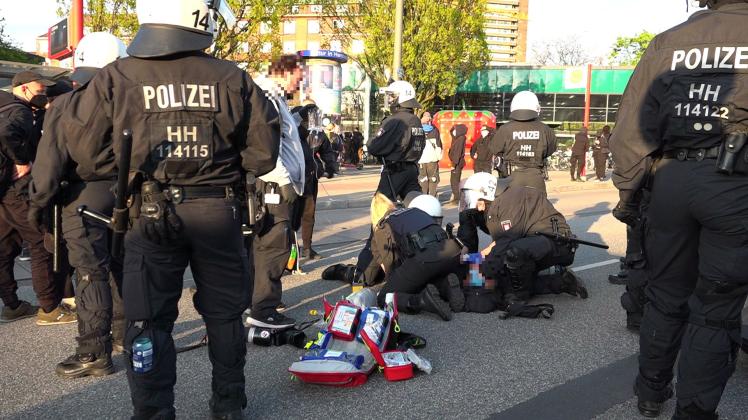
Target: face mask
[39, 101]
[484, 133]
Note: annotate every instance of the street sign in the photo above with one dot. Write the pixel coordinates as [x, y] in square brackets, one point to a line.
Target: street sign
[58, 39]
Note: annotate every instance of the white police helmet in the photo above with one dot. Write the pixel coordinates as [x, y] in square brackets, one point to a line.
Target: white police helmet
[430, 205]
[403, 93]
[480, 186]
[95, 51]
[172, 26]
[525, 106]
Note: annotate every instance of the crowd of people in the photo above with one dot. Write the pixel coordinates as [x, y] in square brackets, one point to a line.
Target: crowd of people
[203, 165]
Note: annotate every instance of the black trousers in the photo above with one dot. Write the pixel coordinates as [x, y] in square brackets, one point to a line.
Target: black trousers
[211, 243]
[483, 166]
[271, 248]
[403, 182]
[303, 212]
[536, 254]
[601, 163]
[428, 177]
[528, 177]
[98, 301]
[14, 230]
[576, 163]
[428, 266]
[697, 235]
[455, 176]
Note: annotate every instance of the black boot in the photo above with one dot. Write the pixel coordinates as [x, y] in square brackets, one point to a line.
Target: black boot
[340, 272]
[88, 364]
[430, 301]
[449, 288]
[233, 415]
[572, 284]
[619, 278]
[693, 413]
[653, 409]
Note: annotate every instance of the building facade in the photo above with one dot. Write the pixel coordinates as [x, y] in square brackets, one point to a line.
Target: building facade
[561, 100]
[506, 31]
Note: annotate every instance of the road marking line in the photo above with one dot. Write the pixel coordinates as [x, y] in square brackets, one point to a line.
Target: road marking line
[596, 265]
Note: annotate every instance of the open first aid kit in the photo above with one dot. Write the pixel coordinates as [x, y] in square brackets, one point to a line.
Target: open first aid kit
[356, 339]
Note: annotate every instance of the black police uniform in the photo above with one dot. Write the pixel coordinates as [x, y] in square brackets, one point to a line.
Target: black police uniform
[481, 153]
[415, 251]
[198, 124]
[518, 254]
[319, 159]
[399, 145]
[524, 144]
[99, 301]
[686, 95]
[633, 270]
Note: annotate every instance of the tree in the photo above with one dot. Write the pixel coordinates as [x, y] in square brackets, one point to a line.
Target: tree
[243, 44]
[259, 25]
[627, 51]
[443, 41]
[114, 16]
[10, 52]
[561, 52]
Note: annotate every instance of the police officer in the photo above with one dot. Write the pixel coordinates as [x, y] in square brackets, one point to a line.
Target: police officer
[517, 254]
[99, 303]
[319, 160]
[398, 144]
[198, 125]
[685, 102]
[525, 142]
[417, 256]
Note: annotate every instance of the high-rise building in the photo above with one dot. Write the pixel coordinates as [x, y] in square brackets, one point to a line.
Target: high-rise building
[312, 27]
[506, 31]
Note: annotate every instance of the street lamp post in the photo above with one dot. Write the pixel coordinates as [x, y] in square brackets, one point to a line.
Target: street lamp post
[397, 59]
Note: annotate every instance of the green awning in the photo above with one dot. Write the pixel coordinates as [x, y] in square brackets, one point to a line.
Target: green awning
[543, 80]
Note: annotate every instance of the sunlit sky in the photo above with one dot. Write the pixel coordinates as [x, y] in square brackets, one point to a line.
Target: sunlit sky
[595, 23]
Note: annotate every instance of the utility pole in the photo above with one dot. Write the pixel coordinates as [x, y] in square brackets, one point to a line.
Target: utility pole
[397, 59]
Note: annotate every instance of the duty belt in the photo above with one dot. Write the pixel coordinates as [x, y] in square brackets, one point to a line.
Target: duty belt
[178, 193]
[692, 154]
[398, 166]
[420, 240]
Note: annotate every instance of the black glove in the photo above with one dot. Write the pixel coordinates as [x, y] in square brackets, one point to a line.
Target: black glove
[35, 218]
[627, 212]
[162, 225]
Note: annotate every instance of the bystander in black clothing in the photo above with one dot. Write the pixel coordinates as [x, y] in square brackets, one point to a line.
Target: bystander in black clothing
[457, 157]
[20, 131]
[601, 152]
[579, 154]
[483, 159]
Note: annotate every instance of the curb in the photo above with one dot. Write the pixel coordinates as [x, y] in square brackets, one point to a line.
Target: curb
[444, 196]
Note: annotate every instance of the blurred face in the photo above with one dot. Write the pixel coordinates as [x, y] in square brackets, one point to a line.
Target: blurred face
[292, 80]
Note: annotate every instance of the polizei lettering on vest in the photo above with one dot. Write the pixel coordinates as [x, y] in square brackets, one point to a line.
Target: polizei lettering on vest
[179, 96]
[710, 58]
[526, 135]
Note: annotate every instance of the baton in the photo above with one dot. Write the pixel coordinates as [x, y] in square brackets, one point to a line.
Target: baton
[57, 231]
[121, 212]
[558, 237]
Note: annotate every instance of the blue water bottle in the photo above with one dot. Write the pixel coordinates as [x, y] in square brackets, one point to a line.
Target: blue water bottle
[142, 355]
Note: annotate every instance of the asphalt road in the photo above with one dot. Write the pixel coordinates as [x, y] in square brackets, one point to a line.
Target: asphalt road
[579, 364]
